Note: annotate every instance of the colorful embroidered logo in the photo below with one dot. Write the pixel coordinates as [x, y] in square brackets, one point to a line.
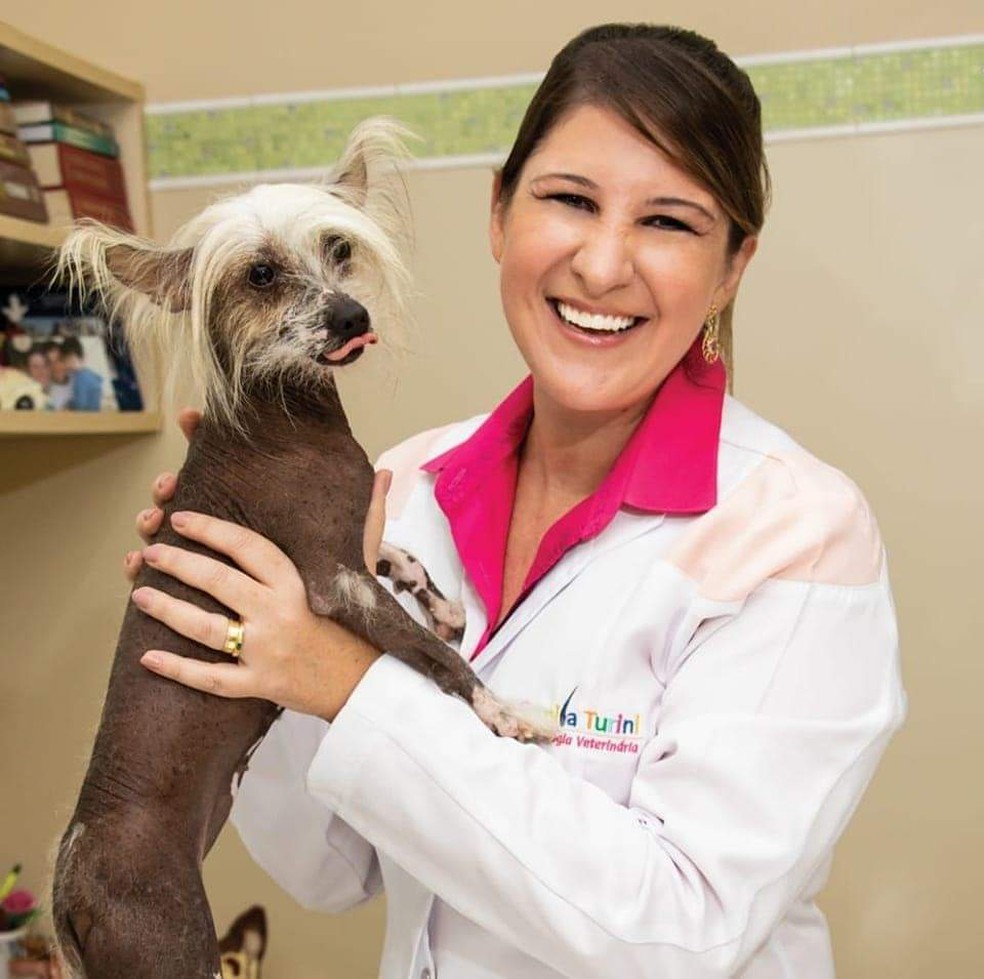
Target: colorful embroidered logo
[596, 730]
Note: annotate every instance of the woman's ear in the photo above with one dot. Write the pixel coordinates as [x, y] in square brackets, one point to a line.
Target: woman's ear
[735, 269]
[495, 217]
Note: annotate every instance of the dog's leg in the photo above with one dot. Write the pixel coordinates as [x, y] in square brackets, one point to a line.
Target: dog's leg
[408, 574]
[362, 604]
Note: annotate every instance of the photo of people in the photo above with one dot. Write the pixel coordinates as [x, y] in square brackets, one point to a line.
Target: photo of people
[57, 357]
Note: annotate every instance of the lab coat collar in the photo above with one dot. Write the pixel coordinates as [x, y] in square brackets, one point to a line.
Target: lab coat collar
[669, 465]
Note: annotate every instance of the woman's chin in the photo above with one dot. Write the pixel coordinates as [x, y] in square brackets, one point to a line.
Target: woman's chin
[587, 392]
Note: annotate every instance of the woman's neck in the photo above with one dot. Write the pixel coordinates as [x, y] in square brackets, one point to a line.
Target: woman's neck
[567, 454]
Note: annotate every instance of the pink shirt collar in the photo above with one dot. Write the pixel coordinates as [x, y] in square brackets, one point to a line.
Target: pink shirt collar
[669, 465]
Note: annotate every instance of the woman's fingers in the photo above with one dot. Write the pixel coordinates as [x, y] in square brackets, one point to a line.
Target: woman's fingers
[208, 628]
[221, 679]
[376, 518]
[149, 522]
[226, 584]
[256, 555]
[188, 420]
[163, 489]
[132, 564]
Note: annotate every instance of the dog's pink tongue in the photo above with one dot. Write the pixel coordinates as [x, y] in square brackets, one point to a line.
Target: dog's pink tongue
[353, 344]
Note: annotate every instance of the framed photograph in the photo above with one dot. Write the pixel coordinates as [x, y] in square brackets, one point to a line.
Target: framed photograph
[57, 356]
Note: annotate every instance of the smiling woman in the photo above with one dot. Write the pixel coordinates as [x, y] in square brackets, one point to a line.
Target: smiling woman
[627, 542]
[610, 260]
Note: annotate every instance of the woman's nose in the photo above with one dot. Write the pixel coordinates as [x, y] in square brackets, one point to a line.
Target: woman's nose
[603, 260]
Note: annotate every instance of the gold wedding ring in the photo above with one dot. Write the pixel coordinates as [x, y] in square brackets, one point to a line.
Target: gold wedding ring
[234, 638]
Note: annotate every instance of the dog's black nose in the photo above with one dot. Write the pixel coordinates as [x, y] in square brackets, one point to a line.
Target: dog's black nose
[348, 319]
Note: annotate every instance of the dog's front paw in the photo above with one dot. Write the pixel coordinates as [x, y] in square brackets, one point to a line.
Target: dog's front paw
[523, 722]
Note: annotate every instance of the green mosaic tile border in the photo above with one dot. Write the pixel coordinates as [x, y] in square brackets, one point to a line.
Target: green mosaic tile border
[800, 94]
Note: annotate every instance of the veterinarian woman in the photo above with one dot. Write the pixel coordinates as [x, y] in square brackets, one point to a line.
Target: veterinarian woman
[702, 603]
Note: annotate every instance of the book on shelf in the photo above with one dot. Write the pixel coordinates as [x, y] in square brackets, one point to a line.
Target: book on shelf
[66, 204]
[63, 165]
[30, 113]
[13, 150]
[20, 195]
[59, 132]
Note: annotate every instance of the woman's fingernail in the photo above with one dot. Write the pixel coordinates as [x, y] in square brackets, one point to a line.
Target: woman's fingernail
[152, 554]
[131, 556]
[145, 515]
[161, 480]
[141, 598]
[179, 519]
[154, 660]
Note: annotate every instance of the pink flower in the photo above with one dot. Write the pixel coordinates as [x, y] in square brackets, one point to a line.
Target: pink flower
[19, 902]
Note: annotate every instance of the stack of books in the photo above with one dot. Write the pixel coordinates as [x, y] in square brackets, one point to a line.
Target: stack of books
[76, 160]
[20, 195]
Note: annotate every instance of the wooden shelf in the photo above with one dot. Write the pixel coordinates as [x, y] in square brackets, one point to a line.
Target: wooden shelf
[78, 422]
[36, 70]
[45, 72]
[26, 246]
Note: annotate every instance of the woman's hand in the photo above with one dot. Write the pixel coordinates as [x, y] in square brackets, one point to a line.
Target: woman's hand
[290, 655]
[149, 520]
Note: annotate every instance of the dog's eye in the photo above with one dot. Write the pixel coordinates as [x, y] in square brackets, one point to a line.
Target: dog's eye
[261, 275]
[337, 249]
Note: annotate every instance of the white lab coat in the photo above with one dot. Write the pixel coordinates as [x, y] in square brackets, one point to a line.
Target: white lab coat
[726, 682]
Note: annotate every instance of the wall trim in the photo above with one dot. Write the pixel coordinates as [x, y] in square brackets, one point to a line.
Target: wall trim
[897, 86]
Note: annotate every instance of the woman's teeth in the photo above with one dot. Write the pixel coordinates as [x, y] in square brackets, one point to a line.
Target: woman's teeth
[594, 321]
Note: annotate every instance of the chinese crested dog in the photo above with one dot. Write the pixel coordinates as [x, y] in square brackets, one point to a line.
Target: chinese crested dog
[258, 300]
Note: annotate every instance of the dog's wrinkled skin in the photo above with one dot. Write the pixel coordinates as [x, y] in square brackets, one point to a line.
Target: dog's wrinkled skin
[274, 452]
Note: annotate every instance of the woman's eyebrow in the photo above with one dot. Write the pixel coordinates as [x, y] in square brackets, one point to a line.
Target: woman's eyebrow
[679, 202]
[576, 178]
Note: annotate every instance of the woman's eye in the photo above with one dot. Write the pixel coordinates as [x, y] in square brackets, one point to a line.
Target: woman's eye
[261, 275]
[337, 249]
[574, 200]
[667, 223]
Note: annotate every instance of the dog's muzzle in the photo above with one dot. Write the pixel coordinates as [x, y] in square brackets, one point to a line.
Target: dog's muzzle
[349, 331]
[347, 319]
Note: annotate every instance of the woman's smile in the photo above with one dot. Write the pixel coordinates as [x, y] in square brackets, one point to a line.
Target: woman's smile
[610, 257]
[600, 329]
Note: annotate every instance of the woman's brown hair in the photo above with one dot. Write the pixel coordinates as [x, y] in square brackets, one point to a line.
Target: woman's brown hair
[679, 91]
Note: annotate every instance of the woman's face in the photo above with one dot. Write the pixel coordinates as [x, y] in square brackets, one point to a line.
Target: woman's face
[610, 258]
[37, 367]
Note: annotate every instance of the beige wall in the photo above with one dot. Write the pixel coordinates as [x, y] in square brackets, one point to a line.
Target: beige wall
[857, 330]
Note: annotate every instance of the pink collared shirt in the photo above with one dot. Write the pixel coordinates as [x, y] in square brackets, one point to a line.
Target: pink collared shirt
[669, 465]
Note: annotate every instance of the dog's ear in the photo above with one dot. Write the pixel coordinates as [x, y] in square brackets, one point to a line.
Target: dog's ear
[116, 265]
[374, 145]
[164, 276]
[352, 174]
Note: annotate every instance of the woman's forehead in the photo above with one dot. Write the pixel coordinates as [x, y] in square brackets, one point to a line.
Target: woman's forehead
[597, 145]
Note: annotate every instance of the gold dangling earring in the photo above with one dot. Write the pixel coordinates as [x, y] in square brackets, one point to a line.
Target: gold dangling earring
[710, 347]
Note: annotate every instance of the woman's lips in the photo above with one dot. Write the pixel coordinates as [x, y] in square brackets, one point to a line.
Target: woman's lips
[596, 338]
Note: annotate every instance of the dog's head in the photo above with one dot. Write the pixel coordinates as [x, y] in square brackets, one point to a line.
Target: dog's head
[276, 286]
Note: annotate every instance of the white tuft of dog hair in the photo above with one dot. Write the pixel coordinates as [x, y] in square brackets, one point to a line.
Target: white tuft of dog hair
[188, 302]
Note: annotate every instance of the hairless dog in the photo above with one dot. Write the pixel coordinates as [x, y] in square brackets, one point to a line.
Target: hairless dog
[258, 300]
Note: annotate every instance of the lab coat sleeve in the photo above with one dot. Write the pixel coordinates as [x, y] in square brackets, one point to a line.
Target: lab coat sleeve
[772, 724]
[305, 847]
